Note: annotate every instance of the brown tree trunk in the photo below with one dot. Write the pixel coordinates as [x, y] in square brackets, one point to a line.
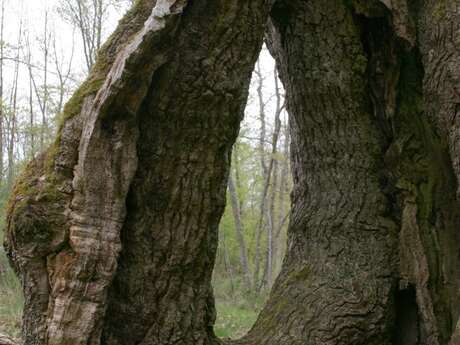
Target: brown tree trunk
[439, 35]
[374, 225]
[140, 164]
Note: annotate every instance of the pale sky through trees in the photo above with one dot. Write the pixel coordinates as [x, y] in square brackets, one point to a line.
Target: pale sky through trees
[32, 15]
[28, 16]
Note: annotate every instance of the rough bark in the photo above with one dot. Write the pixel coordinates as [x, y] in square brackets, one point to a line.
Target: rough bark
[374, 234]
[142, 159]
[178, 194]
[438, 24]
[339, 213]
[6, 340]
[140, 164]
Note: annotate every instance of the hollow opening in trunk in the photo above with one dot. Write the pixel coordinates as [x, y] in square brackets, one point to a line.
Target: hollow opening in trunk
[407, 322]
[252, 231]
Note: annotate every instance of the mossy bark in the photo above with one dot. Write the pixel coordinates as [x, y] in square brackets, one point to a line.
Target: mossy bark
[374, 235]
[140, 163]
[114, 230]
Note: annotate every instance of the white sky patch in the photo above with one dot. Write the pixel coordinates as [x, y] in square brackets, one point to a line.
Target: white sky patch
[68, 48]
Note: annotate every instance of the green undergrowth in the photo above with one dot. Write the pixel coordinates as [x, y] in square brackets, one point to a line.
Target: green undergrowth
[237, 309]
[233, 320]
[236, 313]
[11, 300]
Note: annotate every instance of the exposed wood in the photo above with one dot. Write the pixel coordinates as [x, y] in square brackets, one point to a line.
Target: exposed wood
[6, 340]
[83, 209]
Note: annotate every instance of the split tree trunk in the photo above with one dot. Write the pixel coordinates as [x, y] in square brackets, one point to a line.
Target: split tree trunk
[142, 159]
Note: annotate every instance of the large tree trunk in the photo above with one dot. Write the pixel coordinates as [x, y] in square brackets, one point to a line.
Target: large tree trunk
[374, 234]
[114, 230]
[140, 164]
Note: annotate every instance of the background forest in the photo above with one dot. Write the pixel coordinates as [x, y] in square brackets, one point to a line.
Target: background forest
[46, 50]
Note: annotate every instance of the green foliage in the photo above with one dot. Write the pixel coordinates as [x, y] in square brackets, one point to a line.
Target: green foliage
[233, 321]
[11, 300]
[249, 192]
[236, 310]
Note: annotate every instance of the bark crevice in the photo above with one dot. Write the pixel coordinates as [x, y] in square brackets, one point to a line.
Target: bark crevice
[407, 318]
[144, 151]
[420, 178]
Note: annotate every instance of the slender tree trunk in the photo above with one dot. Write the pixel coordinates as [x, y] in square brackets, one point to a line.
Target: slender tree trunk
[264, 203]
[14, 110]
[44, 126]
[236, 165]
[83, 27]
[284, 190]
[263, 165]
[271, 228]
[227, 263]
[274, 188]
[63, 75]
[2, 105]
[99, 16]
[239, 231]
[31, 120]
[31, 152]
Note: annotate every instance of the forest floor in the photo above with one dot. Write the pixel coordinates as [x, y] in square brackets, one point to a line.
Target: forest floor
[235, 313]
[11, 300]
[237, 310]
[233, 321]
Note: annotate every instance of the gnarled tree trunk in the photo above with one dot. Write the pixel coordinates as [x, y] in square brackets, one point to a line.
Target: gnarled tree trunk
[374, 234]
[140, 166]
[114, 230]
